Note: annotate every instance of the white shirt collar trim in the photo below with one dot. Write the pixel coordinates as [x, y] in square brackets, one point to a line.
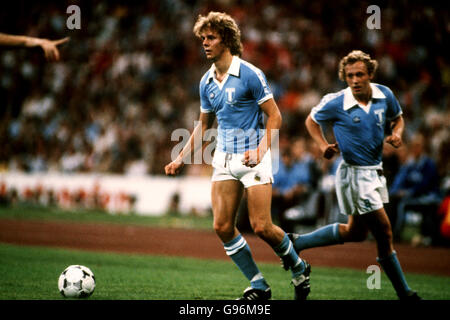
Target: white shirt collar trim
[234, 68]
[350, 101]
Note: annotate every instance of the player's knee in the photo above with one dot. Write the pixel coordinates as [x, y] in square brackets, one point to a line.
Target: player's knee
[223, 229]
[262, 229]
[360, 236]
[351, 235]
[382, 232]
[385, 235]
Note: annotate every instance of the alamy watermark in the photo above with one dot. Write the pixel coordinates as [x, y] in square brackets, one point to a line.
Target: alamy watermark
[374, 280]
[374, 20]
[235, 140]
[74, 20]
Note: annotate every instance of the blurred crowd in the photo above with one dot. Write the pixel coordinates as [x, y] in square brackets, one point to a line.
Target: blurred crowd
[129, 77]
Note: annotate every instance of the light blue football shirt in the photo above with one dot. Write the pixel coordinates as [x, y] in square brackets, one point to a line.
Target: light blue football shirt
[235, 102]
[359, 130]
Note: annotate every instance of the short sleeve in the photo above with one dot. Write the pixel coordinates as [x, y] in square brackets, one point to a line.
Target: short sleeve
[205, 104]
[259, 87]
[324, 111]
[393, 106]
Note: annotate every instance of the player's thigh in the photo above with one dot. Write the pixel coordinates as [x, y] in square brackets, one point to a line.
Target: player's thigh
[379, 224]
[225, 196]
[259, 201]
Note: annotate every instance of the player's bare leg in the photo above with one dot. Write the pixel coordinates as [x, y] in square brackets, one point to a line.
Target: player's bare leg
[355, 230]
[259, 200]
[226, 196]
[259, 203]
[380, 227]
[377, 222]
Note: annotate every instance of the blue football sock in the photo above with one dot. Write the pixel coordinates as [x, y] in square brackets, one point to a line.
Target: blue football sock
[286, 251]
[240, 253]
[325, 236]
[393, 270]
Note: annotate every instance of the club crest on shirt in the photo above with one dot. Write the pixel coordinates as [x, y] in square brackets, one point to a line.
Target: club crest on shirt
[211, 95]
[230, 92]
[356, 119]
[380, 117]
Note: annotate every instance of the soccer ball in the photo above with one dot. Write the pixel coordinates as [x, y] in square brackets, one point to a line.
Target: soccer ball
[76, 282]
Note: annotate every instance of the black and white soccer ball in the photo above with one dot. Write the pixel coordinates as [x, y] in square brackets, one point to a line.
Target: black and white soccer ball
[76, 281]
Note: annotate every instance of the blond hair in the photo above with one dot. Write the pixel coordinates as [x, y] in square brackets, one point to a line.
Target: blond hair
[225, 26]
[354, 56]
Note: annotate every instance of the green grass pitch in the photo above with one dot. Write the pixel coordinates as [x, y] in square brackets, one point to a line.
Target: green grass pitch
[31, 273]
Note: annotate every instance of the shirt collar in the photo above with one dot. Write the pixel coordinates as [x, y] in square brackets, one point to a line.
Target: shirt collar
[233, 69]
[350, 101]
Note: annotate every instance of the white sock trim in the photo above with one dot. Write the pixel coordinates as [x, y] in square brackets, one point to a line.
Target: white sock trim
[257, 276]
[230, 250]
[299, 260]
[282, 254]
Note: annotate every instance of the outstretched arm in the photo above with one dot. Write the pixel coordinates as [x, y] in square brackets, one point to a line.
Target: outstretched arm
[49, 46]
[314, 129]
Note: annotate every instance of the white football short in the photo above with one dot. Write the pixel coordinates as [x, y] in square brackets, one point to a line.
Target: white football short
[360, 189]
[228, 166]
